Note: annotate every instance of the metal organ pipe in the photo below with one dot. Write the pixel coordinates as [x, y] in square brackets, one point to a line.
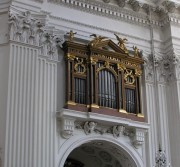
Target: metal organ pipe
[110, 91]
[120, 93]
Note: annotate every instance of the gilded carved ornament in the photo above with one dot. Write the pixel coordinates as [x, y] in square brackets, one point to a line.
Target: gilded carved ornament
[121, 67]
[136, 51]
[70, 56]
[80, 63]
[129, 74]
[71, 35]
[107, 66]
[121, 43]
[138, 72]
[93, 60]
[97, 40]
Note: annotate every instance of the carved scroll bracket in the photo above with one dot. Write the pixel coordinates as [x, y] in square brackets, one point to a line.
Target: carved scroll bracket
[138, 137]
[67, 127]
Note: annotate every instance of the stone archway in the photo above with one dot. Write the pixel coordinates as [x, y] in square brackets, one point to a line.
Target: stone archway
[100, 152]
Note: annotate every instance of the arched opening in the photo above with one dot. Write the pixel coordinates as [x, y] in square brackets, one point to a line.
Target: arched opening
[99, 154]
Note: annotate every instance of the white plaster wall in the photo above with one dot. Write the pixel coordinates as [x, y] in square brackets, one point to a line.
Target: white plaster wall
[61, 81]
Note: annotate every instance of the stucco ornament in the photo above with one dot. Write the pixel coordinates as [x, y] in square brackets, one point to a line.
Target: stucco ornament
[135, 5]
[106, 1]
[138, 137]
[89, 127]
[25, 28]
[118, 131]
[161, 160]
[148, 67]
[121, 3]
[67, 127]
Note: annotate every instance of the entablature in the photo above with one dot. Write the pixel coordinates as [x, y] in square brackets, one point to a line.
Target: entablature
[134, 11]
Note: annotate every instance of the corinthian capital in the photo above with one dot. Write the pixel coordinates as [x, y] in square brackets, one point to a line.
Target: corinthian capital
[148, 67]
[32, 30]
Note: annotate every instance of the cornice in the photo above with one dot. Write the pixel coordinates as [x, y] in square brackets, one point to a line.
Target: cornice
[98, 28]
[4, 6]
[162, 14]
[110, 11]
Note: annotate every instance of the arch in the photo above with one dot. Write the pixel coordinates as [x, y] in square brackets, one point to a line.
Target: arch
[109, 69]
[75, 142]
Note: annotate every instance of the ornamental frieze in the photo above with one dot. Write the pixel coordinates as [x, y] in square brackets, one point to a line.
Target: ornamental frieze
[133, 11]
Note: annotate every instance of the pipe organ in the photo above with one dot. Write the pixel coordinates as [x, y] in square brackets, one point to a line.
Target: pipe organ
[103, 77]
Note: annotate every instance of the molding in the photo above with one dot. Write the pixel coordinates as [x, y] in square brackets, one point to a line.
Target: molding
[104, 119]
[161, 14]
[71, 120]
[102, 9]
[4, 6]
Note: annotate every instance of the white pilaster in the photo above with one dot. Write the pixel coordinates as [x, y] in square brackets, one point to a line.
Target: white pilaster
[174, 119]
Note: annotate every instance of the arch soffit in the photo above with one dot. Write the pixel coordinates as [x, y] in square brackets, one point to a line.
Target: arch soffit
[75, 142]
